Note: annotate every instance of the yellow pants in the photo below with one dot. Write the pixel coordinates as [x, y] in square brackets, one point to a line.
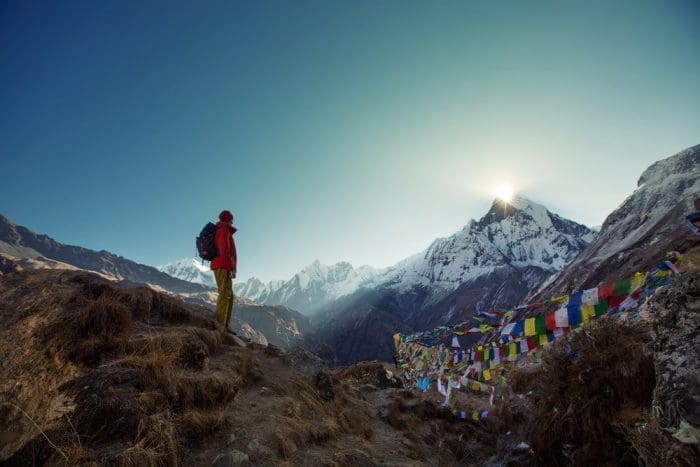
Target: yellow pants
[224, 304]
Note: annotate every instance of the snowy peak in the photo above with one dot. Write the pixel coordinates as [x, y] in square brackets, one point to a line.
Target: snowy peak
[519, 234]
[528, 234]
[501, 210]
[191, 270]
[310, 289]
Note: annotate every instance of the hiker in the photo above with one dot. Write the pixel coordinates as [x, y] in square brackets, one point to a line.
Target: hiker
[224, 267]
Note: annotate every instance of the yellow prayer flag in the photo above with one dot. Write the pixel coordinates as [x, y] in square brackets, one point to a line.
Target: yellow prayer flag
[587, 312]
[487, 375]
[530, 327]
[397, 340]
[543, 339]
[637, 281]
[559, 299]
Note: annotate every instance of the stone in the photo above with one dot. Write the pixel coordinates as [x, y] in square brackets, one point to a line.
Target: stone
[259, 450]
[231, 458]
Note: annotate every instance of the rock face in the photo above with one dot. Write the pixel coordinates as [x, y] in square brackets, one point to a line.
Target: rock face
[642, 229]
[676, 362]
[281, 326]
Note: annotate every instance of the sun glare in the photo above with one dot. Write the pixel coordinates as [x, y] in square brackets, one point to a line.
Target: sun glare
[505, 192]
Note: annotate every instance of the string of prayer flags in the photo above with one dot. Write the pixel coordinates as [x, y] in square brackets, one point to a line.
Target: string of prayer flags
[428, 356]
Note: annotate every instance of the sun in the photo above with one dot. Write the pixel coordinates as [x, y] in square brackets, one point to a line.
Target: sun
[505, 192]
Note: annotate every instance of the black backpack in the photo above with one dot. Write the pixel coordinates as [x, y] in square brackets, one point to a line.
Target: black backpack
[206, 246]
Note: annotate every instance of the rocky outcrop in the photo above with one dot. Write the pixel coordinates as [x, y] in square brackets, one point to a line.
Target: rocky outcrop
[636, 235]
[677, 353]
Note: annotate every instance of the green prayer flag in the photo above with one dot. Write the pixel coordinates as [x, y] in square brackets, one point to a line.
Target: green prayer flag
[622, 287]
[540, 327]
[601, 307]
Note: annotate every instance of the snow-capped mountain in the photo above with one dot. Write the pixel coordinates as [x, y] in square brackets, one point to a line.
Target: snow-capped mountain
[311, 289]
[191, 270]
[490, 263]
[647, 224]
[518, 234]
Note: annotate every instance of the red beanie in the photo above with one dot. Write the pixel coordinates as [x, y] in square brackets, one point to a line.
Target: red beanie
[226, 216]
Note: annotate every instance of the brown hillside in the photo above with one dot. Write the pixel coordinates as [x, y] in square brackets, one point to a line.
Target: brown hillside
[91, 372]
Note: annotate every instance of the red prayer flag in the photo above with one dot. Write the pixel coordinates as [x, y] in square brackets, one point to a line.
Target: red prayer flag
[549, 321]
[605, 291]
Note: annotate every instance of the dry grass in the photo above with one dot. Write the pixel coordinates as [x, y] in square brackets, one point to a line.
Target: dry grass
[433, 433]
[310, 418]
[585, 382]
[144, 388]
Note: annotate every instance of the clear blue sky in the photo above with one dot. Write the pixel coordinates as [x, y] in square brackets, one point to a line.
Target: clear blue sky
[352, 131]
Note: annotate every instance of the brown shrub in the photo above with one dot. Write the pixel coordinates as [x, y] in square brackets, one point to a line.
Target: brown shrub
[155, 444]
[522, 379]
[140, 390]
[87, 332]
[205, 391]
[196, 425]
[586, 379]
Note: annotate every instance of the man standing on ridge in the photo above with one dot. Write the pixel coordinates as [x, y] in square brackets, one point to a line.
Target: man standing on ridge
[224, 267]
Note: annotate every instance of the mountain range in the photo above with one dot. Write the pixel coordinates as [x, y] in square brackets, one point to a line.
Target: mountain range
[517, 251]
[277, 325]
[489, 263]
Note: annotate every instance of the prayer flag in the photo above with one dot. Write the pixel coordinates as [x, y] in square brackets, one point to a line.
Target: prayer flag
[605, 291]
[637, 280]
[587, 312]
[601, 308]
[512, 350]
[574, 314]
[540, 327]
[523, 346]
[615, 301]
[508, 329]
[622, 287]
[549, 321]
[530, 326]
[575, 300]
[519, 328]
[561, 318]
[590, 296]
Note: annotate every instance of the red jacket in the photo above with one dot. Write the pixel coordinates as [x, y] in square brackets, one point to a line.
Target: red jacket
[225, 246]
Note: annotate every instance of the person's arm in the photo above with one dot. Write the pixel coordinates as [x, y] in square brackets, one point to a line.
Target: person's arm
[234, 256]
